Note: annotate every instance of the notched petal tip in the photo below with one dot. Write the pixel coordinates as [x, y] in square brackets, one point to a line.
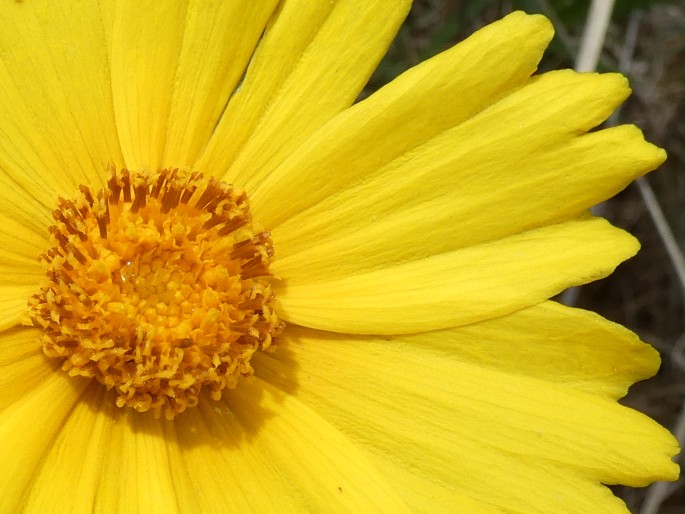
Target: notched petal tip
[648, 154]
[537, 22]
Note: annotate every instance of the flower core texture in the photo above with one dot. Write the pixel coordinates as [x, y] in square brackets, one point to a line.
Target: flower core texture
[157, 286]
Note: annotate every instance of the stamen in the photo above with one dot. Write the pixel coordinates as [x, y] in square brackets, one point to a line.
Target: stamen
[157, 287]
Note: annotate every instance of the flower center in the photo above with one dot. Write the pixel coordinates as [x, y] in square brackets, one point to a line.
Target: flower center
[157, 286]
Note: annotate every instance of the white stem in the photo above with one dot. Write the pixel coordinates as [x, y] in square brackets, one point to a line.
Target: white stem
[594, 34]
[664, 229]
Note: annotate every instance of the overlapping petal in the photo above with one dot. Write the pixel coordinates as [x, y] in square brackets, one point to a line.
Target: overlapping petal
[56, 119]
[520, 164]
[174, 66]
[548, 341]
[256, 451]
[524, 443]
[454, 288]
[31, 423]
[303, 73]
[422, 103]
[20, 271]
[146, 41]
[22, 365]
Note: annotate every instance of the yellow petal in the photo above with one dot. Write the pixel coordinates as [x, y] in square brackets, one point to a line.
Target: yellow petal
[56, 121]
[242, 454]
[422, 103]
[20, 271]
[455, 288]
[262, 451]
[29, 207]
[22, 364]
[121, 466]
[304, 72]
[72, 468]
[133, 448]
[27, 429]
[520, 164]
[554, 343]
[218, 41]
[520, 443]
[14, 304]
[19, 250]
[147, 38]
[288, 34]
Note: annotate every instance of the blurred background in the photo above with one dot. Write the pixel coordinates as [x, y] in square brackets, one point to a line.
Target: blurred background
[645, 39]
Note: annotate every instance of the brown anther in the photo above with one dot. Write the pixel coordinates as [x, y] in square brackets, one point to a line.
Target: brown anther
[157, 287]
[140, 194]
[126, 185]
[232, 225]
[85, 191]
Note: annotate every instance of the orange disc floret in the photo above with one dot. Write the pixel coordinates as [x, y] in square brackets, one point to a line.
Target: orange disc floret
[157, 286]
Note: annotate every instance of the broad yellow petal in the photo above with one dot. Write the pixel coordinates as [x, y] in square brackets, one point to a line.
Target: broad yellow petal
[289, 33]
[262, 451]
[520, 164]
[56, 121]
[304, 72]
[257, 451]
[455, 288]
[245, 454]
[22, 364]
[422, 103]
[132, 448]
[120, 466]
[20, 247]
[174, 66]
[520, 443]
[20, 271]
[27, 429]
[218, 40]
[549, 341]
[14, 304]
[147, 38]
[74, 463]
[25, 206]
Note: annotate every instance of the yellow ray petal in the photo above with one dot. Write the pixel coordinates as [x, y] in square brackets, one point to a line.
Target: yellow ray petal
[20, 271]
[19, 250]
[27, 429]
[422, 103]
[455, 288]
[287, 36]
[551, 342]
[262, 451]
[513, 167]
[56, 121]
[146, 43]
[74, 461]
[423, 495]
[120, 467]
[17, 345]
[23, 201]
[14, 304]
[218, 41]
[292, 88]
[482, 432]
[133, 448]
[22, 364]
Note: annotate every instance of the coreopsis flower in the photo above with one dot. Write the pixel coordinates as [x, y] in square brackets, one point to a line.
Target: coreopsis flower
[226, 288]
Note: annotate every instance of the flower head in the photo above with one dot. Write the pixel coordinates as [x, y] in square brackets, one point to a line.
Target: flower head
[186, 184]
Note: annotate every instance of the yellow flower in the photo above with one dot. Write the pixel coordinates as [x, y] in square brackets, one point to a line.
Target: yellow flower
[417, 234]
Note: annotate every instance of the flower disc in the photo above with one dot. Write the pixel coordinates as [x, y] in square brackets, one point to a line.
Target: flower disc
[157, 286]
